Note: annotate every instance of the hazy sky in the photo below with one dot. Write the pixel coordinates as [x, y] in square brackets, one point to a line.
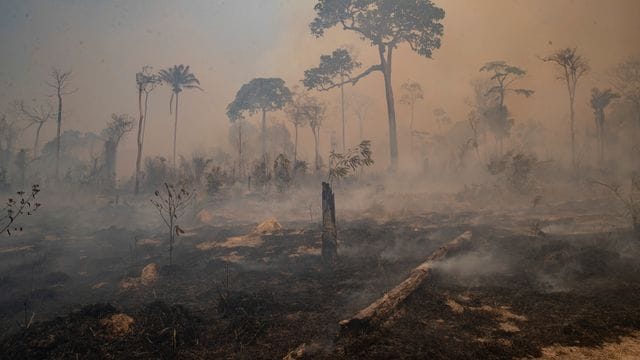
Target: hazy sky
[105, 42]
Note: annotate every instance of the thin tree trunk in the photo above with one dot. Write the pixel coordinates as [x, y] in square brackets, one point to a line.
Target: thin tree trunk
[139, 141]
[35, 144]
[344, 136]
[361, 129]
[240, 163]
[58, 134]
[171, 238]
[411, 130]
[573, 134]
[295, 145]
[316, 141]
[329, 230]
[264, 139]
[175, 135]
[264, 135]
[391, 111]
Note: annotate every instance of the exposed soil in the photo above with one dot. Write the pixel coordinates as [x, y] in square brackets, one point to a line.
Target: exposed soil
[530, 284]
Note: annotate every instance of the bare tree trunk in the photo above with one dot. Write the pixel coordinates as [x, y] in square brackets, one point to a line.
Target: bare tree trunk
[295, 146]
[171, 238]
[35, 144]
[391, 110]
[240, 162]
[264, 136]
[175, 135]
[344, 136]
[411, 130]
[573, 134]
[361, 129]
[139, 141]
[58, 133]
[316, 140]
[329, 230]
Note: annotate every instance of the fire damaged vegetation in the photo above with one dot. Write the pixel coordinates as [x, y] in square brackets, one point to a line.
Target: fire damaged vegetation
[24, 205]
[475, 232]
[500, 294]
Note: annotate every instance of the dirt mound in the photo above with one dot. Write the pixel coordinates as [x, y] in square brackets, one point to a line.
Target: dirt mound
[267, 227]
[101, 331]
[118, 324]
[149, 274]
[253, 239]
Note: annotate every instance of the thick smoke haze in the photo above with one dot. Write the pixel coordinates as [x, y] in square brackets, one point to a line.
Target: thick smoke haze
[227, 43]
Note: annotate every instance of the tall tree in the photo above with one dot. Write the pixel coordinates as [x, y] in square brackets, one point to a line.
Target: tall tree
[259, 95]
[572, 67]
[60, 82]
[503, 76]
[179, 77]
[626, 79]
[297, 116]
[310, 110]
[411, 94]
[386, 24]
[116, 129]
[146, 81]
[35, 116]
[333, 71]
[599, 101]
[360, 105]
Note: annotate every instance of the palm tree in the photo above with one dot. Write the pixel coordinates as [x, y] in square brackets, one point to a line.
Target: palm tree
[179, 77]
[599, 101]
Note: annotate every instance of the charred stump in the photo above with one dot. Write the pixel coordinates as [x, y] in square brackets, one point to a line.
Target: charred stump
[329, 230]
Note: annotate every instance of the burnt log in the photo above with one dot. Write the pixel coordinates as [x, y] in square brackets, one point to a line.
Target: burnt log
[382, 308]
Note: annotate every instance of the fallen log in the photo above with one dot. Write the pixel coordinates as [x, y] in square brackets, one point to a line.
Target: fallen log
[386, 305]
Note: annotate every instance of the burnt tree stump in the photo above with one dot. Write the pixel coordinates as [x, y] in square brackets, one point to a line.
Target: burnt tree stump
[329, 230]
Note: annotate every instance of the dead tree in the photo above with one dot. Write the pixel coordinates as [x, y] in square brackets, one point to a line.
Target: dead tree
[170, 204]
[25, 204]
[631, 201]
[35, 116]
[60, 85]
[341, 165]
[146, 82]
[572, 67]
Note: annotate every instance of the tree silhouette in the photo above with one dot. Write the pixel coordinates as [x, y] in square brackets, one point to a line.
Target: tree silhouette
[386, 24]
[146, 82]
[118, 127]
[35, 116]
[296, 113]
[60, 82]
[259, 95]
[626, 79]
[503, 76]
[178, 77]
[572, 67]
[333, 71]
[411, 94]
[599, 101]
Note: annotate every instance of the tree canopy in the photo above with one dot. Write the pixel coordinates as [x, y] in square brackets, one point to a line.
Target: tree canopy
[333, 70]
[260, 94]
[384, 22]
[503, 76]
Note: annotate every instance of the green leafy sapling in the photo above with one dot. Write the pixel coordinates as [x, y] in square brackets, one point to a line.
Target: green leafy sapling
[341, 165]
